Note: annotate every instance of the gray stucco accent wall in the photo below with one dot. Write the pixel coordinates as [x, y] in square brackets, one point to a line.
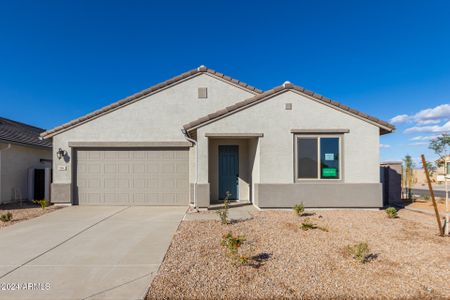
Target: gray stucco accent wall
[61, 193]
[318, 195]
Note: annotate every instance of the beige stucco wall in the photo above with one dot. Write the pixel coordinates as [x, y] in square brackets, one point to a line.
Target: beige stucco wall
[14, 165]
[276, 149]
[254, 160]
[158, 117]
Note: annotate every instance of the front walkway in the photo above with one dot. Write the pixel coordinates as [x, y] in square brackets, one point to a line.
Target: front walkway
[87, 252]
[235, 213]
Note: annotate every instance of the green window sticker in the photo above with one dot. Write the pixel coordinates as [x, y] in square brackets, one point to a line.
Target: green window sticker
[329, 172]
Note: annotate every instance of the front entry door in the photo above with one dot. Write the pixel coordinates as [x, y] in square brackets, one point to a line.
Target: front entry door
[228, 171]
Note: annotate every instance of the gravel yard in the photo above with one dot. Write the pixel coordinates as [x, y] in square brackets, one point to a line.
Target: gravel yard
[409, 259]
[23, 212]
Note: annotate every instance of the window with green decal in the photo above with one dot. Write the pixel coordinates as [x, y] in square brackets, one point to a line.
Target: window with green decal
[318, 157]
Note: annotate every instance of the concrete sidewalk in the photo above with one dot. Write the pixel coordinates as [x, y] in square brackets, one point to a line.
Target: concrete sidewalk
[87, 252]
[235, 213]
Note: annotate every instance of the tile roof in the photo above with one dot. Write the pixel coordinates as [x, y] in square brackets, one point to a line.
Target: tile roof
[153, 89]
[384, 126]
[16, 132]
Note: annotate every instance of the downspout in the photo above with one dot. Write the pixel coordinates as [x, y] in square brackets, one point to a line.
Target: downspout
[196, 165]
[1, 183]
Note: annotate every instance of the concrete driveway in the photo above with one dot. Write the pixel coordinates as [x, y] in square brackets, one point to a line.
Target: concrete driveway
[86, 252]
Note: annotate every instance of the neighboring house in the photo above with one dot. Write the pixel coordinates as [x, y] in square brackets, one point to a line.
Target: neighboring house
[202, 134]
[21, 149]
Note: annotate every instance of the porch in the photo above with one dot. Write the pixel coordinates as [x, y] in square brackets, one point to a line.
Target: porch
[229, 163]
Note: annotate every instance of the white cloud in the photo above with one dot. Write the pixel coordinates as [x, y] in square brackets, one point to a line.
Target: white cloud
[385, 146]
[418, 144]
[438, 112]
[424, 138]
[426, 116]
[434, 128]
[400, 119]
[428, 122]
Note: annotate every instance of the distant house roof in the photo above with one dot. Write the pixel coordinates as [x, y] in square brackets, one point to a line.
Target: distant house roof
[384, 126]
[147, 92]
[20, 133]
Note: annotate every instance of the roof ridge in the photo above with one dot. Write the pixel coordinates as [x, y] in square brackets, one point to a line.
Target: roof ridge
[155, 88]
[286, 86]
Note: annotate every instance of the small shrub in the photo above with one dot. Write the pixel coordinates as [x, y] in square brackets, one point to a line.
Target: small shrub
[6, 217]
[391, 212]
[43, 203]
[243, 260]
[299, 209]
[223, 213]
[307, 225]
[232, 243]
[360, 252]
[426, 197]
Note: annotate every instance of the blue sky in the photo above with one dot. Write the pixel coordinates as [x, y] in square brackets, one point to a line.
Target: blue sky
[63, 59]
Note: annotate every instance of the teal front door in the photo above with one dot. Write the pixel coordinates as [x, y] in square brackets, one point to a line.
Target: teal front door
[228, 171]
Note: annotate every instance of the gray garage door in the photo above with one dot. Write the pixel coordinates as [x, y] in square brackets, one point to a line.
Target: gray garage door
[158, 176]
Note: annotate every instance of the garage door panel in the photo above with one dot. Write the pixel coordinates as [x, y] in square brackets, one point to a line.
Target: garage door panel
[139, 183]
[123, 168]
[132, 176]
[139, 167]
[181, 167]
[168, 167]
[123, 183]
[110, 168]
[153, 167]
[94, 155]
[110, 155]
[182, 155]
[110, 183]
[94, 183]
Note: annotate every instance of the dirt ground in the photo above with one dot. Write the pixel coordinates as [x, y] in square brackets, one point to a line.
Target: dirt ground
[408, 259]
[23, 212]
[427, 205]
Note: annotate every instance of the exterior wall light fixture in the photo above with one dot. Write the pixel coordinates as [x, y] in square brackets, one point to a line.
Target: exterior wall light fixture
[61, 153]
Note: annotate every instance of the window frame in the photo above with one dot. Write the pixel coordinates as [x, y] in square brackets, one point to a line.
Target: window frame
[318, 137]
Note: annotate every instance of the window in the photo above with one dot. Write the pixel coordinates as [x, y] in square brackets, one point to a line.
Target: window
[318, 157]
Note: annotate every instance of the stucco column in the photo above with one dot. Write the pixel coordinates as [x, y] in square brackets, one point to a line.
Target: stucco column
[202, 190]
[202, 144]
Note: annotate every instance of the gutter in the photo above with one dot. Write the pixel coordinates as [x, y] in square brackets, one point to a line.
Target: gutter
[196, 165]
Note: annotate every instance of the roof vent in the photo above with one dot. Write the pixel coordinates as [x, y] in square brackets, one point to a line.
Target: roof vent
[287, 83]
[201, 68]
[202, 93]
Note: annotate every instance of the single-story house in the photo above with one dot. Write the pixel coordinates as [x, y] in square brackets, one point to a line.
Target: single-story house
[202, 135]
[22, 151]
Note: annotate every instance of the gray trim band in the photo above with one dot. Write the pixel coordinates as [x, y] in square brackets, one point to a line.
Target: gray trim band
[364, 195]
[320, 131]
[131, 144]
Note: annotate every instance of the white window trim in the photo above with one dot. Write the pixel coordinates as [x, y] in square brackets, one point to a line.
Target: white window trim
[318, 137]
